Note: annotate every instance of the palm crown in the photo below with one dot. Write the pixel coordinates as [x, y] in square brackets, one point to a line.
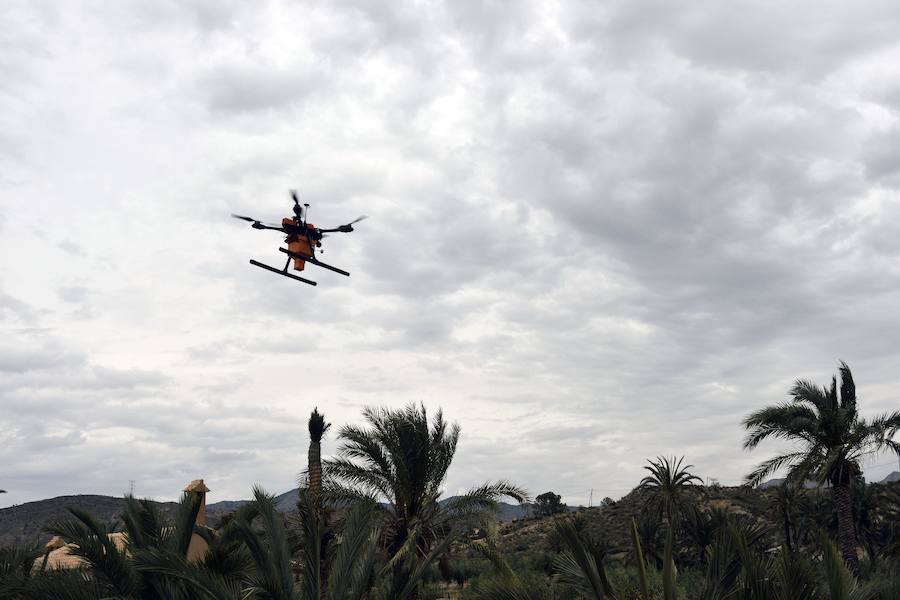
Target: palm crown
[826, 422]
[403, 459]
[669, 483]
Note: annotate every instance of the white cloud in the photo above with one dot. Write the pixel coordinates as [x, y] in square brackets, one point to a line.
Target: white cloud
[597, 233]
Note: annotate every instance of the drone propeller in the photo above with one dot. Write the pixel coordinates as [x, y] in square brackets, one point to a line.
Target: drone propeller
[298, 210]
[257, 224]
[348, 227]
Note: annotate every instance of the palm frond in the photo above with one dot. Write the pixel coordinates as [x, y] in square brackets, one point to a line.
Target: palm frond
[90, 540]
[482, 502]
[838, 579]
[848, 390]
[312, 527]
[580, 566]
[200, 583]
[806, 391]
[273, 578]
[352, 564]
[185, 519]
[769, 467]
[343, 472]
[784, 421]
[415, 571]
[640, 561]
[63, 584]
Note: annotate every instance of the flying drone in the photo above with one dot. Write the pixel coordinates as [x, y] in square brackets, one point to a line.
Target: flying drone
[302, 240]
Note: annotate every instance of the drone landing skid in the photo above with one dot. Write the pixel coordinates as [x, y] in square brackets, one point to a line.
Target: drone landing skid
[281, 271]
[315, 261]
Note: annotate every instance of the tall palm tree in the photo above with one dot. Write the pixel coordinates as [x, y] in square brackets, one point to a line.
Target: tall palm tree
[669, 484]
[403, 459]
[352, 571]
[317, 429]
[832, 437]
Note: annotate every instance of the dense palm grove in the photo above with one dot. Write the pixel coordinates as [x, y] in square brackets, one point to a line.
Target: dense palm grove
[370, 525]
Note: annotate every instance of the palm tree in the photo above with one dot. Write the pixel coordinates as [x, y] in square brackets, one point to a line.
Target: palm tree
[669, 484]
[784, 503]
[701, 526]
[352, 571]
[876, 512]
[403, 459]
[833, 438]
[317, 429]
[248, 558]
[141, 562]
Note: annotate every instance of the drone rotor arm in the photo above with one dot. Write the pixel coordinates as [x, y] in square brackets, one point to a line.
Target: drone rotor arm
[258, 225]
[345, 228]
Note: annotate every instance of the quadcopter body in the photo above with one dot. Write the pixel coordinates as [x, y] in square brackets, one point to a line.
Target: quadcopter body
[302, 239]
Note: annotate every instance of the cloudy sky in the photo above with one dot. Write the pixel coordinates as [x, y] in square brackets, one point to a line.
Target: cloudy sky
[599, 232]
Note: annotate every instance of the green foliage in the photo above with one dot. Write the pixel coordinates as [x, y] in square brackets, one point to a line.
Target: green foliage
[403, 458]
[831, 439]
[669, 539]
[640, 562]
[549, 504]
[670, 485]
[16, 565]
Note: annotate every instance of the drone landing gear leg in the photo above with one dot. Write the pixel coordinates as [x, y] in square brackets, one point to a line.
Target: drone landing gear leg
[282, 271]
[313, 260]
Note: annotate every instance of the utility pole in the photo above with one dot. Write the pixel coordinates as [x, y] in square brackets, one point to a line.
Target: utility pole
[131, 487]
[591, 500]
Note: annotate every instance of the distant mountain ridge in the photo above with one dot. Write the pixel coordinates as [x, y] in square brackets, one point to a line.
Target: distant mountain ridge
[287, 502]
[809, 483]
[24, 523]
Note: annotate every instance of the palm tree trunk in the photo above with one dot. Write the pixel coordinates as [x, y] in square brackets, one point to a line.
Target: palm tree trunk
[315, 475]
[314, 458]
[787, 530]
[846, 535]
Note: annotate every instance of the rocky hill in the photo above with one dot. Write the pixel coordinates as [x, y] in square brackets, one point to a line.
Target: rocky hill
[525, 539]
[24, 523]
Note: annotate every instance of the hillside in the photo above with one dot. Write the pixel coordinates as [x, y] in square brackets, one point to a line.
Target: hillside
[24, 523]
[523, 539]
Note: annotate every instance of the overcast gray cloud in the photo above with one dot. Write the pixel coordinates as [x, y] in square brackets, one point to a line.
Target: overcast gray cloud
[598, 232]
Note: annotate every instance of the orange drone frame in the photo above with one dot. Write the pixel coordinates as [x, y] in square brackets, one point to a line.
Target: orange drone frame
[302, 240]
